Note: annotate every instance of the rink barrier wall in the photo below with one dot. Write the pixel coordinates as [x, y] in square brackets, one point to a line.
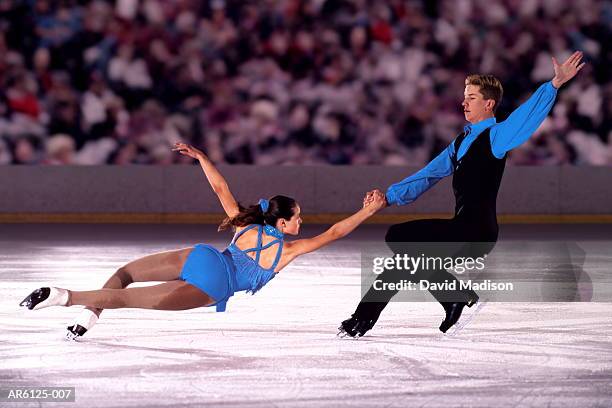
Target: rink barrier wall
[136, 218]
[181, 194]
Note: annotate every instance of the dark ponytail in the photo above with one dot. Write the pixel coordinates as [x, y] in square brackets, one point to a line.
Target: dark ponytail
[279, 207]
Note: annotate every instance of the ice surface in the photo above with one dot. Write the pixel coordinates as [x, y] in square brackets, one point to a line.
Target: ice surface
[279, 348]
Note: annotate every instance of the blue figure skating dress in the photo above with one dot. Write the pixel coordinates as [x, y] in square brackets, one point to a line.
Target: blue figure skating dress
[221, 274]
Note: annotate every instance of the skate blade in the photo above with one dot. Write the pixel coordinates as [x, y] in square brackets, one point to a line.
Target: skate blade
[342, 334]
[26, 303]
[72, 337]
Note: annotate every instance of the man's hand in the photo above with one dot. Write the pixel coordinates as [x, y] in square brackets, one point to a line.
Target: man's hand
[567, 70]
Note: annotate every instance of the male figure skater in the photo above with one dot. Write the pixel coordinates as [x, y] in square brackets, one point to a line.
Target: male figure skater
[476, 158]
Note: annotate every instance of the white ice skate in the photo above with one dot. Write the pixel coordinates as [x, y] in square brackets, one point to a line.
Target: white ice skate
[86, 320]
[45, 297]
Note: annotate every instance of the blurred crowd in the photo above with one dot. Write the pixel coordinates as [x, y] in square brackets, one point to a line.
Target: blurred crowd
[290, 81]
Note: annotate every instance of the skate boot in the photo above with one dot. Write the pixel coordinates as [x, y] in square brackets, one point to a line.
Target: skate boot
[45, 297]
[86, 320]
[453, 313]
[472, 297]
[355, 327]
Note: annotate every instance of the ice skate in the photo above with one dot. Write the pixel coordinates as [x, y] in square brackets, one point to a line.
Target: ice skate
[85, 321]
[355, 327]
[453, 313]
[75, 332]
[454, 309]
[45, 297]
[460, 325]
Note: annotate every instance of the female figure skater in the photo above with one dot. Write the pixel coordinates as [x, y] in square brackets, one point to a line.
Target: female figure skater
[202, 275]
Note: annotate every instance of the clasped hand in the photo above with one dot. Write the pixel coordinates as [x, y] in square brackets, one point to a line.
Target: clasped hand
[375, 199]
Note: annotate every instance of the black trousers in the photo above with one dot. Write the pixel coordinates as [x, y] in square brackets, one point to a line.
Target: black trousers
[457, 237]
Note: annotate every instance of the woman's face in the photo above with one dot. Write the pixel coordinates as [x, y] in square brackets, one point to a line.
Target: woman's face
[292, 225]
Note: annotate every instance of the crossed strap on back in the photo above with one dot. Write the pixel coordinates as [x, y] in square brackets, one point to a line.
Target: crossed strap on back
[260, 247]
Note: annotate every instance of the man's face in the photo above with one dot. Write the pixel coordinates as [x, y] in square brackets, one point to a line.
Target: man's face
[475, 106]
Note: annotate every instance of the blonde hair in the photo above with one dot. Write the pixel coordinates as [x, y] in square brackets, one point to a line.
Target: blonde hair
[490, 87]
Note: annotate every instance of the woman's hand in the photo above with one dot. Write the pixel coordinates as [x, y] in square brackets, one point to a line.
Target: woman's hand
[214, 177]
[367, 199]
[188, 150]
[374, 201]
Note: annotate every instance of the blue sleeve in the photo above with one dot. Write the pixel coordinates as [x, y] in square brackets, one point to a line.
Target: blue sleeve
[525, 120]
[409, 189]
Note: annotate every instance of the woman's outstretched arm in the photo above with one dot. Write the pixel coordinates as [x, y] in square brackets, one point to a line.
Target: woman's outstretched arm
[340, 229]
[216, 180]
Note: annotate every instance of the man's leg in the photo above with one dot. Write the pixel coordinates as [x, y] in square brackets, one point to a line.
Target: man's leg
[399, 238]
[402, 238]
[371, 306]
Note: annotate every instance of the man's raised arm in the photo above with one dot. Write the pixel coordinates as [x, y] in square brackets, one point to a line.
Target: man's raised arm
[526, 119]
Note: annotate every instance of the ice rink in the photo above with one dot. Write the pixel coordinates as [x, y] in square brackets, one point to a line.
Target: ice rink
[279, 348]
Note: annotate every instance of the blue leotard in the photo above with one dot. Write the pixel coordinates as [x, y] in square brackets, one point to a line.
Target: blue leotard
[221, 274]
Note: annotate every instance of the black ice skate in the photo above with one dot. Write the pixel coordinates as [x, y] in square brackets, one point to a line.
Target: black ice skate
[453, 313]
[465, 321]
[355, 327]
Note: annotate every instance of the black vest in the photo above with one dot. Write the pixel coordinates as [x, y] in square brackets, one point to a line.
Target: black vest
[476, 179]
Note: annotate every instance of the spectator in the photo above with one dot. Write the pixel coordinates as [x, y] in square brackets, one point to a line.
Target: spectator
[60, 149]
[290, 81]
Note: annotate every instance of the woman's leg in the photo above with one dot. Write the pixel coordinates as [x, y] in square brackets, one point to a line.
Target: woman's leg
[163, 267]
[174, 295]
